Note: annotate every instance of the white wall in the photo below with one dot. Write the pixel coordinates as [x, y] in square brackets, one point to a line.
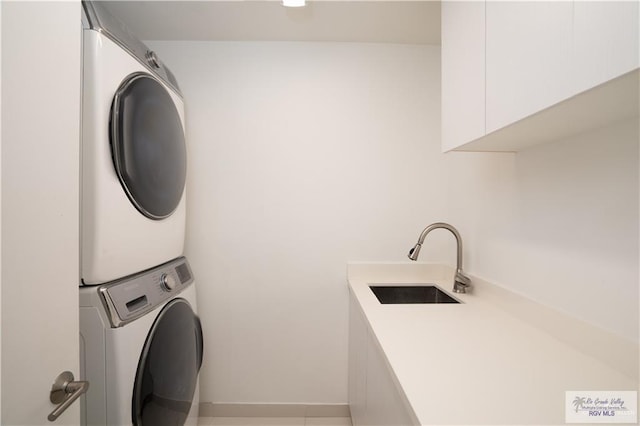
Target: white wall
[570, 239]
[304, 156]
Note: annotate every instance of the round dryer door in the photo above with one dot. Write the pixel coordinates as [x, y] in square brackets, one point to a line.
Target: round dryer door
[147, 145]
[168, 368]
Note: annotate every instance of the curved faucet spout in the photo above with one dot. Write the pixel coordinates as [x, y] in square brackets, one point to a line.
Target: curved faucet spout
[461, 281]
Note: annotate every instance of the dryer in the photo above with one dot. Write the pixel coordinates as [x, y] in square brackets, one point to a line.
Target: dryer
[141, 349]
[133, 154]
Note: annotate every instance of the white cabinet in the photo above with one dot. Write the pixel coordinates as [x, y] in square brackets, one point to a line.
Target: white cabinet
[357, 362]
[374, 396]
[605, 41]
[385, 405]
[551, 70]
[463, 72]
[528, 50]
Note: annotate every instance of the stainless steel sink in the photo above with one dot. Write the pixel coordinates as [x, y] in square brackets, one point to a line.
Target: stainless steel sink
[411, 294]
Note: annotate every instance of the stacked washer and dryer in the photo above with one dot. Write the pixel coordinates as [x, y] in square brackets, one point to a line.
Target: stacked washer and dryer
[140, 336]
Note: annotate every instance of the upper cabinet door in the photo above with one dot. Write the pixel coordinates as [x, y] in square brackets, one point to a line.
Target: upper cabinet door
[463, 72]
[521, 73]
[528, 58]
[606, 38]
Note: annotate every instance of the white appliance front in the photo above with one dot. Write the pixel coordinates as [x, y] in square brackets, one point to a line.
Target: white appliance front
[112, 358]
[119, 236]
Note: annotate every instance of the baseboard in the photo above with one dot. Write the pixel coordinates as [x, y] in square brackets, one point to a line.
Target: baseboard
[210, 409]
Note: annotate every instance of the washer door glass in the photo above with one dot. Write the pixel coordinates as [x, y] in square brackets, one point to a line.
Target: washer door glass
[168, 368]
[147, 145]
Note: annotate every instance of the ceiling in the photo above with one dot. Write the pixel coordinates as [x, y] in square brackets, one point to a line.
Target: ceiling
[391, 21]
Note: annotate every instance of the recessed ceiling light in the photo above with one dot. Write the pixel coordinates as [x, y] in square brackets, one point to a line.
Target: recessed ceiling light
[293, 3]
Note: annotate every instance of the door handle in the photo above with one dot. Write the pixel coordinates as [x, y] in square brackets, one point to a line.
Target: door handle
[64, 391]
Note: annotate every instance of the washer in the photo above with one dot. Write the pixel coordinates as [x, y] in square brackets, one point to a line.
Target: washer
[133, 154]
[141, 349]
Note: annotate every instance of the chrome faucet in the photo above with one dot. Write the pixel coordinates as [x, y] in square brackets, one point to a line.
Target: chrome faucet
[460, 280]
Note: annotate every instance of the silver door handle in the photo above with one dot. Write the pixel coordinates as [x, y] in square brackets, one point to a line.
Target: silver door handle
[64, 391]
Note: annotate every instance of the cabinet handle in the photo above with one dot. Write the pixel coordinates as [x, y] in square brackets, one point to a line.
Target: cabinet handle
[65, 391]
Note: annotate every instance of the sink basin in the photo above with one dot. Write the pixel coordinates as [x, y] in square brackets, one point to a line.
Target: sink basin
[411, 294]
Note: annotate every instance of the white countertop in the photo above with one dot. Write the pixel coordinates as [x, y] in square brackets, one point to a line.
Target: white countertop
[473, 362]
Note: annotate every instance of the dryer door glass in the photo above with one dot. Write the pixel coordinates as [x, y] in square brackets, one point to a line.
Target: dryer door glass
[148, 147]
[168, 369]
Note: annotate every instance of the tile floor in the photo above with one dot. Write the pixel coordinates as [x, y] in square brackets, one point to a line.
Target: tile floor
[274, 421]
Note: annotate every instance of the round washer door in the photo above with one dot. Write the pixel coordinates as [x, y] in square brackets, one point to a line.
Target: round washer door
[168, 368]
[147, 145]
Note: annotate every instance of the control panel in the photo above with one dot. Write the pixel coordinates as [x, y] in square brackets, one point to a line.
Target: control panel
[129, 298]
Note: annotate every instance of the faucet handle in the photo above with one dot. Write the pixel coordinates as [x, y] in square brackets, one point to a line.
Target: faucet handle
[461, 282]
